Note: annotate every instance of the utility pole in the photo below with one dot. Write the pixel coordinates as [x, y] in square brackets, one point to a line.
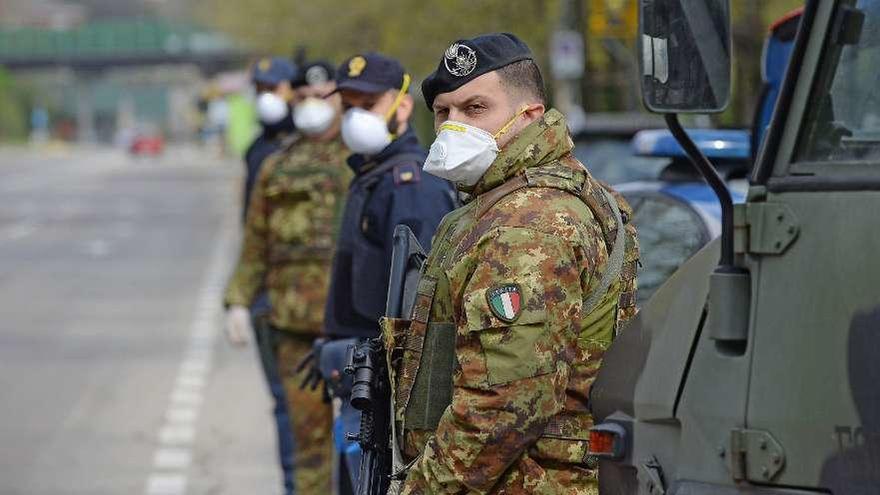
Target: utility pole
[567, 62]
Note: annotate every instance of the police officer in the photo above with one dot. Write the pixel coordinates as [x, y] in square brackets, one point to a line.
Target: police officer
[389, 188]
[521, 293]
[288, 245]
[272, 78]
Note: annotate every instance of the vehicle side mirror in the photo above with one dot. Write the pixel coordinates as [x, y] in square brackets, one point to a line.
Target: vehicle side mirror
[685, 55]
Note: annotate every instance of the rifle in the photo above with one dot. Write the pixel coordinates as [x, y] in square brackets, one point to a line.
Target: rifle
[371, 389]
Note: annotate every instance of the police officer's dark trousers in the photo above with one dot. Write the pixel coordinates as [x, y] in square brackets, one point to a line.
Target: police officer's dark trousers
[266, 344]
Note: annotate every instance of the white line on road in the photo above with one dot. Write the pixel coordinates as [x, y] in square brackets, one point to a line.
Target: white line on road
[19, 230]
[182, 415]
[166, 484]
[172, 458]
[185, 398]
[189, 382]
[176, 437]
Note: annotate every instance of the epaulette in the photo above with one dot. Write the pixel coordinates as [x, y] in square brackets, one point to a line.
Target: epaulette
[407, 173]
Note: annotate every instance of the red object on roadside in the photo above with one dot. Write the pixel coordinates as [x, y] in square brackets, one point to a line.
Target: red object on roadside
[147, 145]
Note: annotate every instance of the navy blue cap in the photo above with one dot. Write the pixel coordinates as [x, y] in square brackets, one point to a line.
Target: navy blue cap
[370, 73]
[465, 60]
[314, 72]
[273, 71]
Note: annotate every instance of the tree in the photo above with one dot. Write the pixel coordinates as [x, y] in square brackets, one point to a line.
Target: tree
[415, 31]
[418, 31]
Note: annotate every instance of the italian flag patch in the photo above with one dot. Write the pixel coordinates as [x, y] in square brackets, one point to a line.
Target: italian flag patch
[505, 301]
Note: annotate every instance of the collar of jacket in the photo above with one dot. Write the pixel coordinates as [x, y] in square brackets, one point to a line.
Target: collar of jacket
[408, 141]
[281, 129]
[542, 142]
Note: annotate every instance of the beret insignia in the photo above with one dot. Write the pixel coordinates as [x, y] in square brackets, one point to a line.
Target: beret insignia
[460, 59]
[317, 75]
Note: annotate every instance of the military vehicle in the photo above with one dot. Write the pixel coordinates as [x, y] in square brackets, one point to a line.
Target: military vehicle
[755, 369]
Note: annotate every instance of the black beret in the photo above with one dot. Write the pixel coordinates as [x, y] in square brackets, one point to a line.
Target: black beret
[465, 60]
[315, 72]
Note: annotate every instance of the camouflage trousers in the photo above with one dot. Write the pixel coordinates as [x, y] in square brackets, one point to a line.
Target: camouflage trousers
[311, 418]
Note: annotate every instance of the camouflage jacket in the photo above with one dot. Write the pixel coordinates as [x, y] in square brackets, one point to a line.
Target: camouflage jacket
[290, 232]
[509, 273]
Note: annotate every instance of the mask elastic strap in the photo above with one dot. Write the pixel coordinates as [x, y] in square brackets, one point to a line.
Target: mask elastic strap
[509, 124]
[400, 95]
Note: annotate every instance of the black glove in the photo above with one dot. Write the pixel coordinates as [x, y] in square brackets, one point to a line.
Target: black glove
[310, 365]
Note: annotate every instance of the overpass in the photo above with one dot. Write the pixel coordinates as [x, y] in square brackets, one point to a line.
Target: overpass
[94, 54]
[122, 43]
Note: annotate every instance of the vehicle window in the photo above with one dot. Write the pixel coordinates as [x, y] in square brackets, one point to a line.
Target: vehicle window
[843, 123]
[613, 161]
[670, 232]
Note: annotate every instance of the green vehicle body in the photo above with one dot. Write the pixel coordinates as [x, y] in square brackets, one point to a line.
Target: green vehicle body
[765, 379]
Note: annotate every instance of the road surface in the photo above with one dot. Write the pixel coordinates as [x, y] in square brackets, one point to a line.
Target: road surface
[114, 375]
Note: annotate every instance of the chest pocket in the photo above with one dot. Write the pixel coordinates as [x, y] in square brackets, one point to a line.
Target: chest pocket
[302, 210]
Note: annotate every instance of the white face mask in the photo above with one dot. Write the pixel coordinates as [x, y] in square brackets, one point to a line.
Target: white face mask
[364, 132]
[313, 116]
[462, 153]
[271, 108]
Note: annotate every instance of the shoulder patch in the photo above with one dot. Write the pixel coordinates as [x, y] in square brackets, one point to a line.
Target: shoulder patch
[406, 174]
[505, 302]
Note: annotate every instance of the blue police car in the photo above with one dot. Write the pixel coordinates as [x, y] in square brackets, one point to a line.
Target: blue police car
[678, 213]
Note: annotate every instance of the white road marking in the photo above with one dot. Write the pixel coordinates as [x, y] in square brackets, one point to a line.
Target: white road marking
[190, 382]
[194, 366]
[182, 415]
[174, 454]
[166, 484]
[19, 230]
[172, 458]
[185, 398]
[98, 248]
[177, 435]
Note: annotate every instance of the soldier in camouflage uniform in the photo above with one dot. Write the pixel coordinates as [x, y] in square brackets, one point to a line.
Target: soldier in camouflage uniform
[523, 290]
[289, 238]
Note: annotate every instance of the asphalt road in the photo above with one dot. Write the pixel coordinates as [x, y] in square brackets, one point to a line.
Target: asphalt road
[114, 376]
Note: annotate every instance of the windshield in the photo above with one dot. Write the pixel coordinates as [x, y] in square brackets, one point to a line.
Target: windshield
[613, 161]
[843, 124]
[670, 232]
